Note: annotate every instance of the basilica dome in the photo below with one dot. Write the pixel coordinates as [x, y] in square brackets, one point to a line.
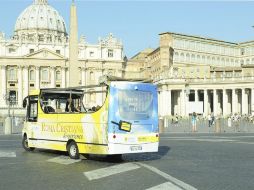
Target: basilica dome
[40, 17]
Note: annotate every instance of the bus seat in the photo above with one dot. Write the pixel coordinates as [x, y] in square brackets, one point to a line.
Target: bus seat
[59, 111]
[49, 109]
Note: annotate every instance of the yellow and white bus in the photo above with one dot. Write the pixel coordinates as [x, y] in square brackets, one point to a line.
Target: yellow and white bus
[127, 122]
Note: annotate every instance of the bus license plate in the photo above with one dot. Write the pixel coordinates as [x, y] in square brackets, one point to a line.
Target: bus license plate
[136, 148]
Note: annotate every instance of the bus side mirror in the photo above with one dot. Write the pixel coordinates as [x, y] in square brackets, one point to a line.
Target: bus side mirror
[25, 103]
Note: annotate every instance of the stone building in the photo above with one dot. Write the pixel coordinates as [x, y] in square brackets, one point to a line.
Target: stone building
[37, 56]
[201, 74]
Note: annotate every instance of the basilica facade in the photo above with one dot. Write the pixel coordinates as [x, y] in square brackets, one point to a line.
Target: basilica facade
[37, 56]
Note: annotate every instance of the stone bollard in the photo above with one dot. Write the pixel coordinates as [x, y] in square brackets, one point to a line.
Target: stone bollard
[217, 126]
[7, 126]
[161, 125]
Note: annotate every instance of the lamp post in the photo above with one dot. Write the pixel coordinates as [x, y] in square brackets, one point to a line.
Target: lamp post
[8, 121]
[187, 92]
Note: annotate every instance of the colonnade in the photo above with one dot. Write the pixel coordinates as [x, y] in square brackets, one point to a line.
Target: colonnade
[219, 101]
[22, 82]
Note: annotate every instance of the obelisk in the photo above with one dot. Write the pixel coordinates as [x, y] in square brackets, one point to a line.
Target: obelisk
[73, 48]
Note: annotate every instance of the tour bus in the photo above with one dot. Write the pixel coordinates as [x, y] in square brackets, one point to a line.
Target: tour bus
[127, 121]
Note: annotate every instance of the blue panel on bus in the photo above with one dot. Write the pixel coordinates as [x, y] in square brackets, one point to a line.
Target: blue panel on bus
[135, 103]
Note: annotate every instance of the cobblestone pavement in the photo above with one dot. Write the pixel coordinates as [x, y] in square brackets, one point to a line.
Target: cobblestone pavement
[184, 161]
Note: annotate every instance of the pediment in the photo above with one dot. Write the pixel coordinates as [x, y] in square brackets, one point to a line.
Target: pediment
[44, 54]
[12, 45]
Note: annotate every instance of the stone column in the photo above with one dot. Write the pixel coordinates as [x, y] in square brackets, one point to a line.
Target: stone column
[234, 101]
[205, 102]
[215, 102]
[37, 78]
[83, 77]
[25, 83]
[52, 77]
[196, 95]
[183, 111]
[63, 74]
[3, 89]
[20, 87]
[164, 100]
[168, 102]
[159, 102]
[244, 102]
[252, 101]
[225, 102]
[67, 78]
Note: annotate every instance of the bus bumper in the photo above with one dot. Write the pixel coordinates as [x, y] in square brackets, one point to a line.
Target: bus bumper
[114, 148]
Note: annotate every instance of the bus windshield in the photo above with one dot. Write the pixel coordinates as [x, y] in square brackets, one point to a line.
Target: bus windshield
[135, 105]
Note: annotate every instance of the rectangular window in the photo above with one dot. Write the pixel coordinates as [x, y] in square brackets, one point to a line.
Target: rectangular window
[31, 50]
[13, 97]
[12, 50]
[110, 53]
[135, 105]
[58, 51]
[91, 54]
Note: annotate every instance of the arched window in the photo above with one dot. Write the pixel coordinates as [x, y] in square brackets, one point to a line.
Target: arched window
[223, 62]
[187, 57]
[182, 57]
[198, 58]
[45, 74]
[32, 75]
[236, 63]
[209, 60]
[203, 59]
[218, 61]
[213, 60]
[227, 62]
[58, 75]
[231, 62]
[12, 74]
[176, 56]
[92, 75]
[193, 58]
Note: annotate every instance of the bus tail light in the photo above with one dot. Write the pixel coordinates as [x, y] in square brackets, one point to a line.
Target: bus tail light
[114, 136]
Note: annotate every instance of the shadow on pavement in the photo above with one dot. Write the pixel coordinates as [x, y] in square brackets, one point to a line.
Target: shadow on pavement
[163, 150]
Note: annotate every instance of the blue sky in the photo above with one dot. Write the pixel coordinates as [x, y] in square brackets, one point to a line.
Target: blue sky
[138, 23]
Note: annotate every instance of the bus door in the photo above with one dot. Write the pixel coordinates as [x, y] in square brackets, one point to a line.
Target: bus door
[32, 125]
[47, 119]
[133, 113]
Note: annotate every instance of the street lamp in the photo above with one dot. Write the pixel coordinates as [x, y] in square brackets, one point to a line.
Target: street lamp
[187, 92]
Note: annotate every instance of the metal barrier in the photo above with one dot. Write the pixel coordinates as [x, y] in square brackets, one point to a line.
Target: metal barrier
[17, 123]
[220, 125]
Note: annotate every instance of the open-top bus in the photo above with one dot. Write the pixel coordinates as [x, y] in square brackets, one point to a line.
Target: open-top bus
[127, 121]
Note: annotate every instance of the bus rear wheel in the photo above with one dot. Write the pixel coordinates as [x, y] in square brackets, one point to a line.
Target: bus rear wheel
[25, 144]
[73, 151]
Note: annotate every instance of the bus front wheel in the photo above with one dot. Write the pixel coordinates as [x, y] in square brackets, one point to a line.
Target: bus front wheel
[73, 151]
[25, 144]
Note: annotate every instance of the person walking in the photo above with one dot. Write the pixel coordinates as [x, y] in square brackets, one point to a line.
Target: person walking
[209, 117]
[194, 122]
